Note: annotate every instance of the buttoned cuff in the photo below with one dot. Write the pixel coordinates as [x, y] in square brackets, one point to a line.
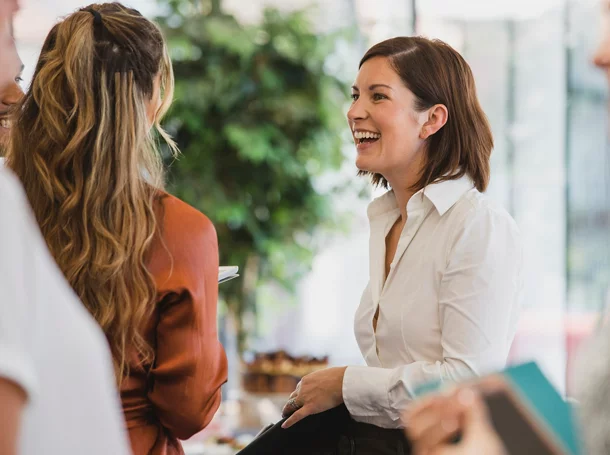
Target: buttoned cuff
[365, 390]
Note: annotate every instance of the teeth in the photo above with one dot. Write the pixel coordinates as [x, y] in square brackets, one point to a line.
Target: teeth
[366, 135]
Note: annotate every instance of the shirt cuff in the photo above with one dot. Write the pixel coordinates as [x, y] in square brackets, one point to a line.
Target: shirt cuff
[365, 390]
[15, 368]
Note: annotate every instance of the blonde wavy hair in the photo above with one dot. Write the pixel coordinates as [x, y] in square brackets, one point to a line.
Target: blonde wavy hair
[83, 147]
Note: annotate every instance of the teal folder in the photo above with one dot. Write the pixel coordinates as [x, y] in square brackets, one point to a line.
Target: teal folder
[551, 412]
[546, 403]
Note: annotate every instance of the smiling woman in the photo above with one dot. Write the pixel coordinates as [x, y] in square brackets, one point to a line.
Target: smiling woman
[11, 93]
[445, 262]
[395, 92]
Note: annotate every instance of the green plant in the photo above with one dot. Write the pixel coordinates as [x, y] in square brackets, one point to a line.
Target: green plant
[259, 120]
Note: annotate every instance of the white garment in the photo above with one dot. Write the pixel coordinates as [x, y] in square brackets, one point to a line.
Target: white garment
[449, 307]
[591, 375]
[50, 346]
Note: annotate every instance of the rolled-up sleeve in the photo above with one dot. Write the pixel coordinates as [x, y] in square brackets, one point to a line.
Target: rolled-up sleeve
[478, 308]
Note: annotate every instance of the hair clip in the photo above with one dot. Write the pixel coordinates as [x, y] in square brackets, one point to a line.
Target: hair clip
[97, 17]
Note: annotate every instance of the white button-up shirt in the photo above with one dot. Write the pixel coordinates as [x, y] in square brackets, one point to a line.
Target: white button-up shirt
[449, 306]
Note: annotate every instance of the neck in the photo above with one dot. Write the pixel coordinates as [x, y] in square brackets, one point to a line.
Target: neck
[403, 195]
[402, 183]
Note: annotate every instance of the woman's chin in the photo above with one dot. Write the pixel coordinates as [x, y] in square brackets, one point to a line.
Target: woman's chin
[363, 165]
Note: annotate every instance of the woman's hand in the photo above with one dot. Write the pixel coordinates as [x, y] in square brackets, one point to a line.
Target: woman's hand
[317, 392]
[433, 424]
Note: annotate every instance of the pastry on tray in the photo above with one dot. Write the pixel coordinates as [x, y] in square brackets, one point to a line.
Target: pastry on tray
[278, 372]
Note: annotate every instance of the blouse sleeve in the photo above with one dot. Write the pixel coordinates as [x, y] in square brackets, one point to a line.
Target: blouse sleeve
[190, 365]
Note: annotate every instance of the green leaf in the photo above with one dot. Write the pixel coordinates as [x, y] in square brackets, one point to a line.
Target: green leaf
[260, 122]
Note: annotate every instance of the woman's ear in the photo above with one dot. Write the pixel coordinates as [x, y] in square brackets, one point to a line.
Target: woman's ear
[437, 117]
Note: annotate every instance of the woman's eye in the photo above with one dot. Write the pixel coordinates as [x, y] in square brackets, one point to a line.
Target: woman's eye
[379, 96]
[354, 96]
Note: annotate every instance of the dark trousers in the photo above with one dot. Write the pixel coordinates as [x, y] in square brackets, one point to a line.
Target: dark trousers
[332, 432]
[356, 439]
[365, 439]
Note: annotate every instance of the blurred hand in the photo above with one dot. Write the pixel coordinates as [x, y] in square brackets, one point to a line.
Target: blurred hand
[317, 392]
[434, 422]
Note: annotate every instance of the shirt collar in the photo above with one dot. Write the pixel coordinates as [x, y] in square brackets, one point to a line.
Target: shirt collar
[443, 196]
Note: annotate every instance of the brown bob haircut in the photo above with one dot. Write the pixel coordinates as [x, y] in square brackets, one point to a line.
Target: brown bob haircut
[437, 74]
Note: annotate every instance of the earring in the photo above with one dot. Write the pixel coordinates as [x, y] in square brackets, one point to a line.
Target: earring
[423, 134]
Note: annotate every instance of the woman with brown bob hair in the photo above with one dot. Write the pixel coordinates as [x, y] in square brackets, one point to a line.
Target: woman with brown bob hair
[445, 262]
[144, 263]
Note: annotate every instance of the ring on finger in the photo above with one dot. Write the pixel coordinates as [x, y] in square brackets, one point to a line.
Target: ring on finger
[292, 403]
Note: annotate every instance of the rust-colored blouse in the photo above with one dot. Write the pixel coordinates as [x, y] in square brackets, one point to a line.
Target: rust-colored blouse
[178, 395]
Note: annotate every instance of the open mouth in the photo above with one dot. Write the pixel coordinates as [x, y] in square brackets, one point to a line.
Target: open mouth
[363, 137]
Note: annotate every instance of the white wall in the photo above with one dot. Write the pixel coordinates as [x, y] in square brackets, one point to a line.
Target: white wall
[36, 18]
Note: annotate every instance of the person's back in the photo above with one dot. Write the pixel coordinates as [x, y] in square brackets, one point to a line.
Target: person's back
[144, 264]
[178, 395]
[50, 347]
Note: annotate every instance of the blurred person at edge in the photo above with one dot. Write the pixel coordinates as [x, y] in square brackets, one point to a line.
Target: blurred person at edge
[433, 423]
[445, 261]
[10, 91]
[57, 390]
[144, 263]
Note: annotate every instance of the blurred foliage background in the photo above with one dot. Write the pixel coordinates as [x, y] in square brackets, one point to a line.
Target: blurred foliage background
[260, 122]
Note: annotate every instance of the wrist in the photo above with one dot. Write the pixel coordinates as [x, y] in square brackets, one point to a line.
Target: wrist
[341, 374]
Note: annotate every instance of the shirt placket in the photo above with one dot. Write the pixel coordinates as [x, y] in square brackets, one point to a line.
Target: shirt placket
[415, 219]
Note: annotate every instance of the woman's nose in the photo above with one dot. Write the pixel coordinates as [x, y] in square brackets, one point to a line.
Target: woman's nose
[356, 111]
